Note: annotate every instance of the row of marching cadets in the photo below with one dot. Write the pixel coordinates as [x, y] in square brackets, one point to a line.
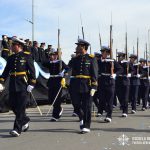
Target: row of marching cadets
[131, 85]
[91, 78]
[126, 80]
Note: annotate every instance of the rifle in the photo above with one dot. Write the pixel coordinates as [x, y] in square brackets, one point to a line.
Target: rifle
[126, 50]
[59, 49]
[147, 61]
[100, 40]
[137, 54]
[116, 53]
[82, 27]
[111, 53]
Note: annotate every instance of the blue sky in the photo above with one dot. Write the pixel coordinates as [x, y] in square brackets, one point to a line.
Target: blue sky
[134, 13]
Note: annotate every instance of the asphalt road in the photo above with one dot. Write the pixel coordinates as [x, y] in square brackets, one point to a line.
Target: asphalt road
[131, 133]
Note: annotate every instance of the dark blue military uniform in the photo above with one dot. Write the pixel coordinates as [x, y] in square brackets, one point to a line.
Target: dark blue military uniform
[144, 85]
[18, 66]
[106, 85]
[54, 84]
[85, 73]
[134, 85]
[122, 86]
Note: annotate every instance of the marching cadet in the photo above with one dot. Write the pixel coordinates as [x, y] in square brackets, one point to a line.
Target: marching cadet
[108, 68]
[19, 66]
[55, 82]
[134, 82]
[83, 86]
[144, 83]
[123, 83]
[5, 47]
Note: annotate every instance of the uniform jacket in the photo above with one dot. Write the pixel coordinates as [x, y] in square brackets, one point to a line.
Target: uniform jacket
[85, 73]
[134, 80]
[18, 66]
[55, 72]
[104, 72]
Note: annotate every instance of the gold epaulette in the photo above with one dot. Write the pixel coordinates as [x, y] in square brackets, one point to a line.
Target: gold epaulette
[26, 52]
[91, 55]
[2, 79]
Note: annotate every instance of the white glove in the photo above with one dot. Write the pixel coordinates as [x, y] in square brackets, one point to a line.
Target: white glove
[129, 75]
[62, 73]
[138, 75]
[113, 76]
[1, 87]
[149, 78]
[92, 92]
[124, 61]
[30, 88]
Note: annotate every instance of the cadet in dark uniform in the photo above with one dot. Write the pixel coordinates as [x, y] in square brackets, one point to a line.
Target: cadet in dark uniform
[108, 68]
[144, 83]
[41, 52]
[83, 86]
[34, 51]
[5, 47]
[123, 83]
[27, 47]
[55, 82]
[134, 82]
[19, 66]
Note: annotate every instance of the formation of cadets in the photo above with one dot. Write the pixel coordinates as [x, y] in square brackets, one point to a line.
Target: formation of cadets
[92, 78]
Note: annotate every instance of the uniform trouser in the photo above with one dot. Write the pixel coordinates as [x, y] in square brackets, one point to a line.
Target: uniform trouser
[95, 100]
[52, 92]
[115, 99]
[143, 93]
[18, 101]
[133, 95]
[82, 104]
[106, 96]
[122, 92]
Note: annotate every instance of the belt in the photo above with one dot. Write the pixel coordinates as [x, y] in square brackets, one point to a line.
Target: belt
[82, 76]
[55, 76]
[72, 77]
[121, 75]
[17, 73]
[144, 78]
[105, 74]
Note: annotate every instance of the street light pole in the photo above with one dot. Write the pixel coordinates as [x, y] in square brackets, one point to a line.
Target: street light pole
[32, 20]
